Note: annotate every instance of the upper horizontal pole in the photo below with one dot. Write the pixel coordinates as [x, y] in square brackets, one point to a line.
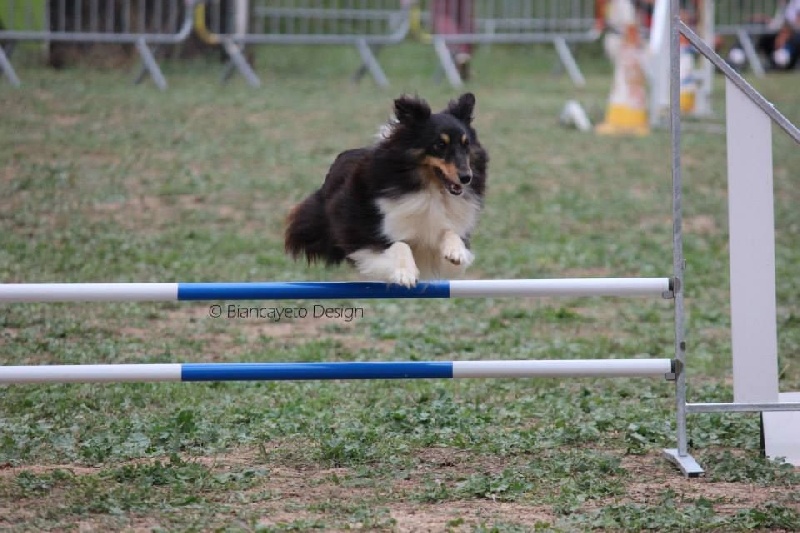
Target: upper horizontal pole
[156, 292]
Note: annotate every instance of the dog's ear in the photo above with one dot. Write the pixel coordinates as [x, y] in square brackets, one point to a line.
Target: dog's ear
[410, 110]
[462, 108]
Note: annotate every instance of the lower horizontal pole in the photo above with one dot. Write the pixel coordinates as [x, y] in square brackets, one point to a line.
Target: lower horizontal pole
[144, 373]
[141, 373]
[315, 371]
[563, 368]
[741, 407]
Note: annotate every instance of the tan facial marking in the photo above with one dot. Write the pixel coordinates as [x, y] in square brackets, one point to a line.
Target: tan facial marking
[464, 139]
[448, 169]
[445, 137]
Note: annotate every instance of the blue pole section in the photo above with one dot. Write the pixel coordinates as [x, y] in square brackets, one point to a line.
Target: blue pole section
[315, 371]
[309, 290]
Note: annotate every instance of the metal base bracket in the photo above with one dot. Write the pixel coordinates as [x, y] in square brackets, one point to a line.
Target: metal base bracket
[688, 466]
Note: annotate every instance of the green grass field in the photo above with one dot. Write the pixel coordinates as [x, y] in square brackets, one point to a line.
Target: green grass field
[104, 181]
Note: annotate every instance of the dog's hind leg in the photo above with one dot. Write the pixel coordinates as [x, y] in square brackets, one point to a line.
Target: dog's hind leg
[395, 264]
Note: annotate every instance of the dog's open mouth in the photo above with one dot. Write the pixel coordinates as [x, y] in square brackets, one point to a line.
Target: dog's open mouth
[453, 188]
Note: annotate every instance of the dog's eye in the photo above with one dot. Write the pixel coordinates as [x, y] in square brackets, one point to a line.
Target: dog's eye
[465, 141]
[439, 145]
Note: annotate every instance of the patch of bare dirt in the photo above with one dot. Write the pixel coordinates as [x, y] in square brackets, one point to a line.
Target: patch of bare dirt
[594, 272]
[14, 471]
[295, 491]
[142, 213]
[701, 225]
[337, 330]
[8, 173]
[465, 516]
[223, 339]
[650, 479]
[62, 120]
[448, 463]
[655, 222]
[697, 225]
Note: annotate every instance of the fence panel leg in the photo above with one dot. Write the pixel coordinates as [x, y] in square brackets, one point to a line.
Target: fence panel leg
[362, 70]
[239, 62]
[227, 71]
[370, 62]
[150, 65]
[568, 60]
[750, 53]
[448, 65]
[8, 70]
[140, 76]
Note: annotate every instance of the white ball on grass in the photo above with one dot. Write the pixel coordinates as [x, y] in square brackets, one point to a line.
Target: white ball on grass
[737, 57]
[781, 57]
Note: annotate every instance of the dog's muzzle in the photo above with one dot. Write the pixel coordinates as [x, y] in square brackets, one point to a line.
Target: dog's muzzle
[465, 178]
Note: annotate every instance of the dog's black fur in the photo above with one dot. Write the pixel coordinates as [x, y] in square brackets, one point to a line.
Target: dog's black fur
[426, 170]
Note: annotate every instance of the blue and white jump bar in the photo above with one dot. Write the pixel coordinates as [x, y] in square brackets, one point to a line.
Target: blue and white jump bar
[309, 290]
[147, 373]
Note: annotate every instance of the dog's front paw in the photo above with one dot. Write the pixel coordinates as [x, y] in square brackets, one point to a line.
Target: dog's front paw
[407, 277]
[455, 252]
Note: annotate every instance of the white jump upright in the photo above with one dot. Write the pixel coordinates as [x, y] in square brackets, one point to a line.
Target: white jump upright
[751, 219]
[752, 263]
[754, 332]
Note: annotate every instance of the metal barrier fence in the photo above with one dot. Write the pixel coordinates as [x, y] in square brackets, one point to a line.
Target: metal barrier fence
[745, 18]
[367, 25]
[711, 19]
[452, 26]
[752, 16]
[137, 22]
[456, 25]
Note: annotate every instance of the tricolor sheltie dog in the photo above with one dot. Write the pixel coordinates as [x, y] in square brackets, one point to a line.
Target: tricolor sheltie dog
[404, 207]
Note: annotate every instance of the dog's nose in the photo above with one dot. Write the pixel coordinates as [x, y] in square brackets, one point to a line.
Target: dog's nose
[465, 178]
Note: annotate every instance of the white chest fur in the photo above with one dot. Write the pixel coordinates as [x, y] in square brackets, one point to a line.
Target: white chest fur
[421, 219]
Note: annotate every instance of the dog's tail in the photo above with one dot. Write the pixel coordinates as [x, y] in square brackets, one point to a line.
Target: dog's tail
[307, 231]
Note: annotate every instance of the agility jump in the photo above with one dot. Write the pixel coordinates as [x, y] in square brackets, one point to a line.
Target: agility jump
[753, 391]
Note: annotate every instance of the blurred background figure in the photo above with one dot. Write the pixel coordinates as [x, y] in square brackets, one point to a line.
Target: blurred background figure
[453, 17]
[782, 47]
[612, 18]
